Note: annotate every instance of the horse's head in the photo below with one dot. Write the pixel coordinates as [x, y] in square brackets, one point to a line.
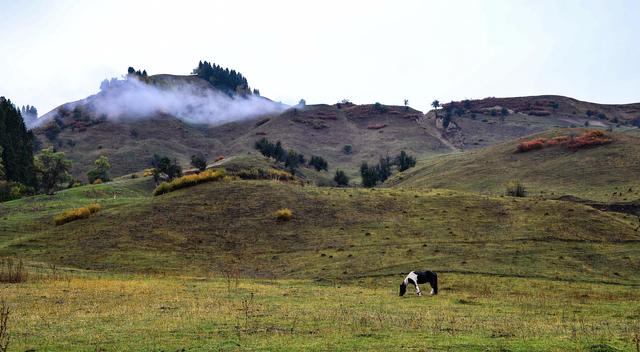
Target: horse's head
[403, 288]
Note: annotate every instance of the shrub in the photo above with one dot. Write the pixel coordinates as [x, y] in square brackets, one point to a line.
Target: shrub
[189, 180]
[590, 138]
[199, 161]
[347, 149]
[341, 178]
[72, 215]
[97, 181]
[526, 146]
[515, 189]
[318, 163]
[12, 272]
[94, 208]
[284, 214]
[13, 190]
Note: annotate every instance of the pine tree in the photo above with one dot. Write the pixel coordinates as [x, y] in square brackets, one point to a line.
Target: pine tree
[17, 144]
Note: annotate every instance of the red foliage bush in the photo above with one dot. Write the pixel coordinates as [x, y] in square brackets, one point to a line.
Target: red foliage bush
[587, 139]
[526, 146]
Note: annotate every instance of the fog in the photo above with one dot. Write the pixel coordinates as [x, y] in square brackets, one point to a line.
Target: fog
[188, 99]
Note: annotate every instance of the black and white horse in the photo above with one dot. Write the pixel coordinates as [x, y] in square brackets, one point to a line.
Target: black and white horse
[420, 277]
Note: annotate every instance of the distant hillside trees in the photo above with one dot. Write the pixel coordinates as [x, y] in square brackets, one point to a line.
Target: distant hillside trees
[52, 168]
[100, 171]
[318, 163]
[29, 114]
[341, 179]
[371, 175]
[2, 173]
[228, 81]
[405, 161]
[291, 159]
[435, 104]
[165, 167]
[199, 161]
[17, 145]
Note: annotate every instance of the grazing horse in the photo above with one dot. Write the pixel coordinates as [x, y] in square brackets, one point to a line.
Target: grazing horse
[420, 277]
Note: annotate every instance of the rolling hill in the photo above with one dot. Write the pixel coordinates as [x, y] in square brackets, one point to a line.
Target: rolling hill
[606, 173]
[335, 234]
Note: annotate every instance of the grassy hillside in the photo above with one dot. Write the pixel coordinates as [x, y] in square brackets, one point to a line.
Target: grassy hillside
[603, 173]
[334, 234]
[210, 268]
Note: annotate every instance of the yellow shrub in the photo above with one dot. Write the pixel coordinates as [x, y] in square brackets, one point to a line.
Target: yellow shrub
[279, 175]
[189, 180]
[94, 208]
[147, 172]
[97, 181]
[71, 215]
[284, 214]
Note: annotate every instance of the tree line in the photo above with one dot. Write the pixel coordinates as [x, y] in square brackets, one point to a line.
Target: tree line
[228, 81]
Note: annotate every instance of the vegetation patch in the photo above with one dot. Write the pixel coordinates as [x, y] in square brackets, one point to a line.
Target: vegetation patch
[587, 139]
[284, 214]
[189, 180]
[76, 214]
[256, 173]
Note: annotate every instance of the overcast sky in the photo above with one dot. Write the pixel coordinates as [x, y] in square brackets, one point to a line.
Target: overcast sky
[52, 52]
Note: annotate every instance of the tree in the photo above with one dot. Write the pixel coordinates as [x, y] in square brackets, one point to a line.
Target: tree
[405, 161]
[101, 170]
[369, 175]
[256, 91]
[17, 144]
[318, 163]
[199, 161]
[52, 168]
[384, 169]
[302, 103]
[341, 178]
[436, 105]
[163, 165]
[347, 149]
[2, 173]
[292, 160]
[104, 85]
[228, 81]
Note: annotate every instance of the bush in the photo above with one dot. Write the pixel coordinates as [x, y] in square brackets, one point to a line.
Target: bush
[318, 163]
[75, 214]
[341, 178]
[284, 214]
[12, 272]
[188, 181]
[347, 149]
[526, 146]
[13, 190]
[515, 189]
[97, 181]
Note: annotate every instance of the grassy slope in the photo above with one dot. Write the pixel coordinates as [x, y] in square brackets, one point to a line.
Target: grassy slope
[517, 274]
[595, 173]
[335, 233]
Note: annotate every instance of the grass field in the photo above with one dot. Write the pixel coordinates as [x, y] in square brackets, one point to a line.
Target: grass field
[210, 268]
[82, 312]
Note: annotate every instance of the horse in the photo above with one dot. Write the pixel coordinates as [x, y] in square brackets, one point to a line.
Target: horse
[420, 277]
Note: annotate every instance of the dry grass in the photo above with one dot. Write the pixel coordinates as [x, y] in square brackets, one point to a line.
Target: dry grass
[189, 181]
[12, 271]
[76, 214]
[284, 214]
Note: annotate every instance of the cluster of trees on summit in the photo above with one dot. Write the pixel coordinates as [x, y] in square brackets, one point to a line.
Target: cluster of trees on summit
[229, 81]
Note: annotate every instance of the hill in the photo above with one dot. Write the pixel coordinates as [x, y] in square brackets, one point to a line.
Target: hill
[477, 123]
[603, 173]
[322, 130]
[334, 233]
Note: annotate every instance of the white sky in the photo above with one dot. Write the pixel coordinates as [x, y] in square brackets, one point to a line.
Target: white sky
[52, 52]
